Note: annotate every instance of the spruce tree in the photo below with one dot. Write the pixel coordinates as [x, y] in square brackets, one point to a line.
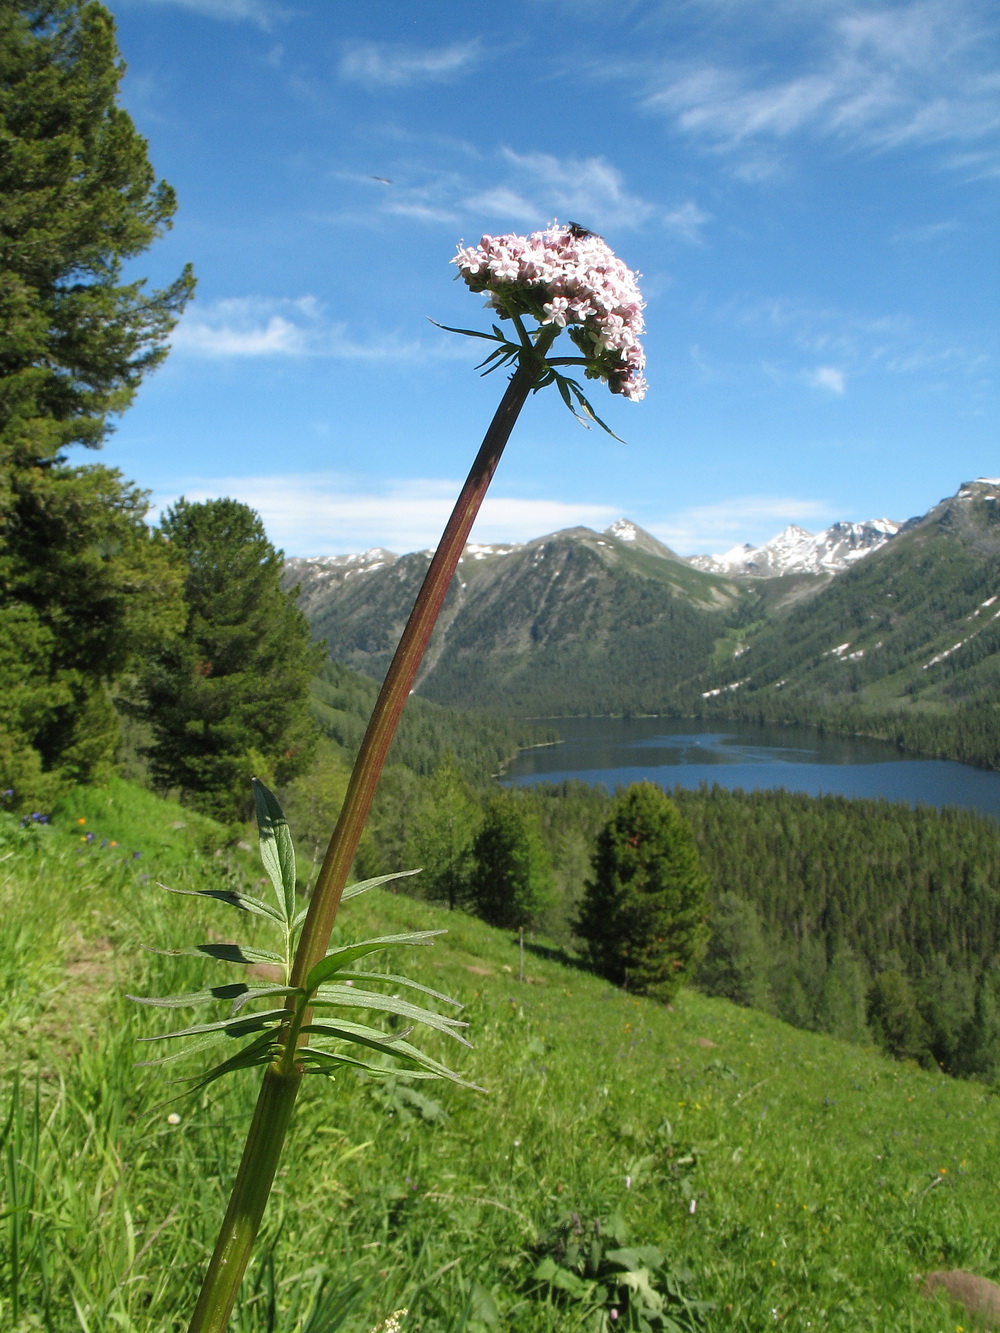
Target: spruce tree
[643, 911]
[82, 587]
[228, 699]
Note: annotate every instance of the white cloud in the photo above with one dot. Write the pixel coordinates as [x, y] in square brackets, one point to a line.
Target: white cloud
[715, 528]
[825, 377]
[255, 326]
[528, 190]
[325, 514]
[589, 190]
[918, 73]
[381, 65]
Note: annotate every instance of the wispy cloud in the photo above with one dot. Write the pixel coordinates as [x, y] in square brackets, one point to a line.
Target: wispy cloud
[385, 65]
[261, 12]
[529, 189]
[326, 514]
[715, 528]
[919, 73]
[253, 326]
[825, 377]
[825, 347]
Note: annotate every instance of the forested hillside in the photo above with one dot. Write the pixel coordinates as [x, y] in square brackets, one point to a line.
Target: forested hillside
[577, 622]
[905, 645]
[813, 902]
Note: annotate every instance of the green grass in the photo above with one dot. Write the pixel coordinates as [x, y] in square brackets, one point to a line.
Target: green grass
[823, 1178]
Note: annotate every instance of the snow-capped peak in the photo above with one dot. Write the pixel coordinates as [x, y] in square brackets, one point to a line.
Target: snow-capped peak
[623, 530]
[796, 551]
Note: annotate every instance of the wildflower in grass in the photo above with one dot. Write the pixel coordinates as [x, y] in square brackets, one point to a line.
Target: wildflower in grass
[392, 1324]
[81, 821]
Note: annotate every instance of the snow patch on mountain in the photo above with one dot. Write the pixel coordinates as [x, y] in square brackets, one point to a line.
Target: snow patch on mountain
[796, 551]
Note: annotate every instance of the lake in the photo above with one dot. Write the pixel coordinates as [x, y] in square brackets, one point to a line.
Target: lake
[678, 751]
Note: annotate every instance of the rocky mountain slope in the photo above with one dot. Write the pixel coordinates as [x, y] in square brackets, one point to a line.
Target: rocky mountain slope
[862, 621]
[577, 621]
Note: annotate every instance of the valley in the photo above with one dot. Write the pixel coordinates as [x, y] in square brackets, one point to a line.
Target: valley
[882, 629]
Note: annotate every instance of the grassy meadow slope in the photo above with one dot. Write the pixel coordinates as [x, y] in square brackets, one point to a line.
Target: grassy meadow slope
[800, 1181]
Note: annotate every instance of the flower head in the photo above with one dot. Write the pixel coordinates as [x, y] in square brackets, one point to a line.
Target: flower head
[570, 279]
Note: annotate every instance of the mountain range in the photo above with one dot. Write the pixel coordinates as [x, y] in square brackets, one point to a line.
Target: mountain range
[866, 621]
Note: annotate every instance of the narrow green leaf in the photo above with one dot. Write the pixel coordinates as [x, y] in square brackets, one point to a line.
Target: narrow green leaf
[392, 979]
[277, 850]
[244, 901]
[325, 1062]
[360, 1035]
[258, 1052]
[351, 997]
[353, 890]
[233, 991]
[590, 411]
[262, 992]
[469, 333]
[240, 1026]
[338, 958]
[225, 953]
[196, 1047]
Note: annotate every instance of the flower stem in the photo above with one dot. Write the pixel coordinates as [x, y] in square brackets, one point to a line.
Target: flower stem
[399, 681]
[282, 1079]
[246, 1205]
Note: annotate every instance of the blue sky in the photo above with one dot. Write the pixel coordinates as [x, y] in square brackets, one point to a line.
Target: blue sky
[809, 189]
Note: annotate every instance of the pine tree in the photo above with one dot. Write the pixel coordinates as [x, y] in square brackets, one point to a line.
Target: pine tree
[736, 961]
[78, 198]
[81, 583]
[510, 882]
[442, 841]
[227, 700]
[895, 1020]
[644, 909]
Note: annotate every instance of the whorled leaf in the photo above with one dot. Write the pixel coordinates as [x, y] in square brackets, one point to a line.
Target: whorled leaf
[350, 997]
[244, 901]
[325, 987]
[338, 958]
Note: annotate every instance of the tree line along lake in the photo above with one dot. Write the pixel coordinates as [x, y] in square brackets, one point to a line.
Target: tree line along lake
[614, 752]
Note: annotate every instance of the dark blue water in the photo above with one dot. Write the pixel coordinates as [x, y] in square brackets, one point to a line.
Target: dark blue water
[617, 751]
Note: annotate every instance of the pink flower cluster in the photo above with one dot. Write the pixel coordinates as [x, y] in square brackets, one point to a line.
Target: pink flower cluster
[569, 278]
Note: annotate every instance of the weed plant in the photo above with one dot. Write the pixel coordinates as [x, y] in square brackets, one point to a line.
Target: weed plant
[800, 1181]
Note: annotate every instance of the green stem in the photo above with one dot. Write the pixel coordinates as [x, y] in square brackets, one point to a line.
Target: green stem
[246, 1204]
[282, 1079]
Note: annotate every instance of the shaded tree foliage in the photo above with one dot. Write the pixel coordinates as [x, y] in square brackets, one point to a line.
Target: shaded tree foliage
[643, 911]
[228, 698]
